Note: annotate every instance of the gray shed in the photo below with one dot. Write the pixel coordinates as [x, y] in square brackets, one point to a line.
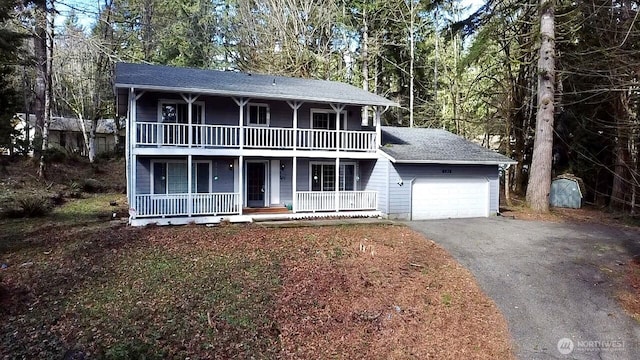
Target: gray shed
[567, 192]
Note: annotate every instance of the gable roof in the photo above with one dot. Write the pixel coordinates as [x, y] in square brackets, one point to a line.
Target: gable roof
[231, 83]
[435, 146]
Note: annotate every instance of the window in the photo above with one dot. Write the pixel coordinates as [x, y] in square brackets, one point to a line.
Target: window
[258, 114]
[178, 112]
[326, 119]
[323, 177]
[347, 177]
[171, 177]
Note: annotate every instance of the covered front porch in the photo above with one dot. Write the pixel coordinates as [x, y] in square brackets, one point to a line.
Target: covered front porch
[213, 188]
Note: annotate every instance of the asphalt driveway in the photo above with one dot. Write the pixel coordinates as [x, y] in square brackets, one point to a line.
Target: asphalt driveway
[551, 281]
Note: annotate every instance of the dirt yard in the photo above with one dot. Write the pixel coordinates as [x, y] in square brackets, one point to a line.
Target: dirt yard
[87, 286]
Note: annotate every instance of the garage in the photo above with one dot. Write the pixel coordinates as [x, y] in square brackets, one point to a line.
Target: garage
[433, 174]
[443, 198]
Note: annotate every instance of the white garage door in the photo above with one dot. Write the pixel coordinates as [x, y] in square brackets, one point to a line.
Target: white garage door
[443, 198]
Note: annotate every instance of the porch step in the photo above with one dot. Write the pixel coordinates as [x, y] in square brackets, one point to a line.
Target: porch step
[269, 210]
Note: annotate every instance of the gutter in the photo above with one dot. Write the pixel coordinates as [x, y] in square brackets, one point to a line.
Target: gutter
[446, 162]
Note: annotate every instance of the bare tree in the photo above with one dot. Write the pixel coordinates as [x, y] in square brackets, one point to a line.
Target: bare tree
[292, 37]
[48, 94]
[40, 56]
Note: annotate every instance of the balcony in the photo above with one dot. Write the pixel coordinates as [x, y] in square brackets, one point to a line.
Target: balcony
[224, 136]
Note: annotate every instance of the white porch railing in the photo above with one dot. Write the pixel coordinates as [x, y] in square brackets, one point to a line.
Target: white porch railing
[358, 200]
[167, 134]
[316, 201]
[155, 205]
[326, 200]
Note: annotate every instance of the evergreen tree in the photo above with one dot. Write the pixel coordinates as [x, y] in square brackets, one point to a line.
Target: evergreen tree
[10, 41]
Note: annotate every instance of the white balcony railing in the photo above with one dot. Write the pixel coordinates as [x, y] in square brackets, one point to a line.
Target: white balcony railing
[268, 137]
[326, 200]
[166, 134]
[315, 139]
[155, 205]
[358, 140]
[216, 135]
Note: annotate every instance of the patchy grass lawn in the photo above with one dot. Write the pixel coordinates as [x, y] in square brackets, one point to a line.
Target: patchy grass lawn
[115, 292]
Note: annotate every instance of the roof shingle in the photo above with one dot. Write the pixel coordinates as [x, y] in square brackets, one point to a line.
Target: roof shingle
[230, 83]
[420, 145]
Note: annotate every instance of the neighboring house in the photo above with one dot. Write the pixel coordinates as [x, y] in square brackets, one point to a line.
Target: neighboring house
[205, 146]
[66, 133]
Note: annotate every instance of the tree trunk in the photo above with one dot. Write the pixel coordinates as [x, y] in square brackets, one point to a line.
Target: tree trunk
[40, 52]
[540, 174]
[48, 94]
[621, 178]
[507, 170]
[507, 186]
[412, 40]
[92, 141]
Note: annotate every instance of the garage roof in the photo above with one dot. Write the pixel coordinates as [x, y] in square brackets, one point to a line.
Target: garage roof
[231, 83]
[435, 146]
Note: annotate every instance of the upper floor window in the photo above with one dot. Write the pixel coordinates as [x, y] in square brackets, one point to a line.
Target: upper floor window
[177, 112]
[258, 114]
[326, 119]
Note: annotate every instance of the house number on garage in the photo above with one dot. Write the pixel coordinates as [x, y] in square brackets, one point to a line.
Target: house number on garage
[446, 171]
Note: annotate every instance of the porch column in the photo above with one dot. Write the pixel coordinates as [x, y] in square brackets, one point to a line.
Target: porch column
[337, 184]
[240, 184]
[189, 186]
[376, 121]
[131, 158]
[338, 109]
[295, 105]
[294, 184]
[132, 140]
[190, 99]
[241, 102]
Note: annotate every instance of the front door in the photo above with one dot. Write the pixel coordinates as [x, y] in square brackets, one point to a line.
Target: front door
[256, 187]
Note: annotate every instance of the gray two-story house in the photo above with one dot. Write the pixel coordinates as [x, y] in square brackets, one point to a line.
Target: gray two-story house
[204, 146]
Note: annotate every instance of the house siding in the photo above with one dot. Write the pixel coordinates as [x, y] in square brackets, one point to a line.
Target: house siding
[400, 195]
[373, 175]
[286, 181]
[222, 110]
[219, 168]
[303, 174]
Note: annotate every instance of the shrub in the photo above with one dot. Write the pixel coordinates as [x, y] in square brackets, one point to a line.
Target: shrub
[55, 154]
[34, 206]
[74, 190]
[92, 186]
